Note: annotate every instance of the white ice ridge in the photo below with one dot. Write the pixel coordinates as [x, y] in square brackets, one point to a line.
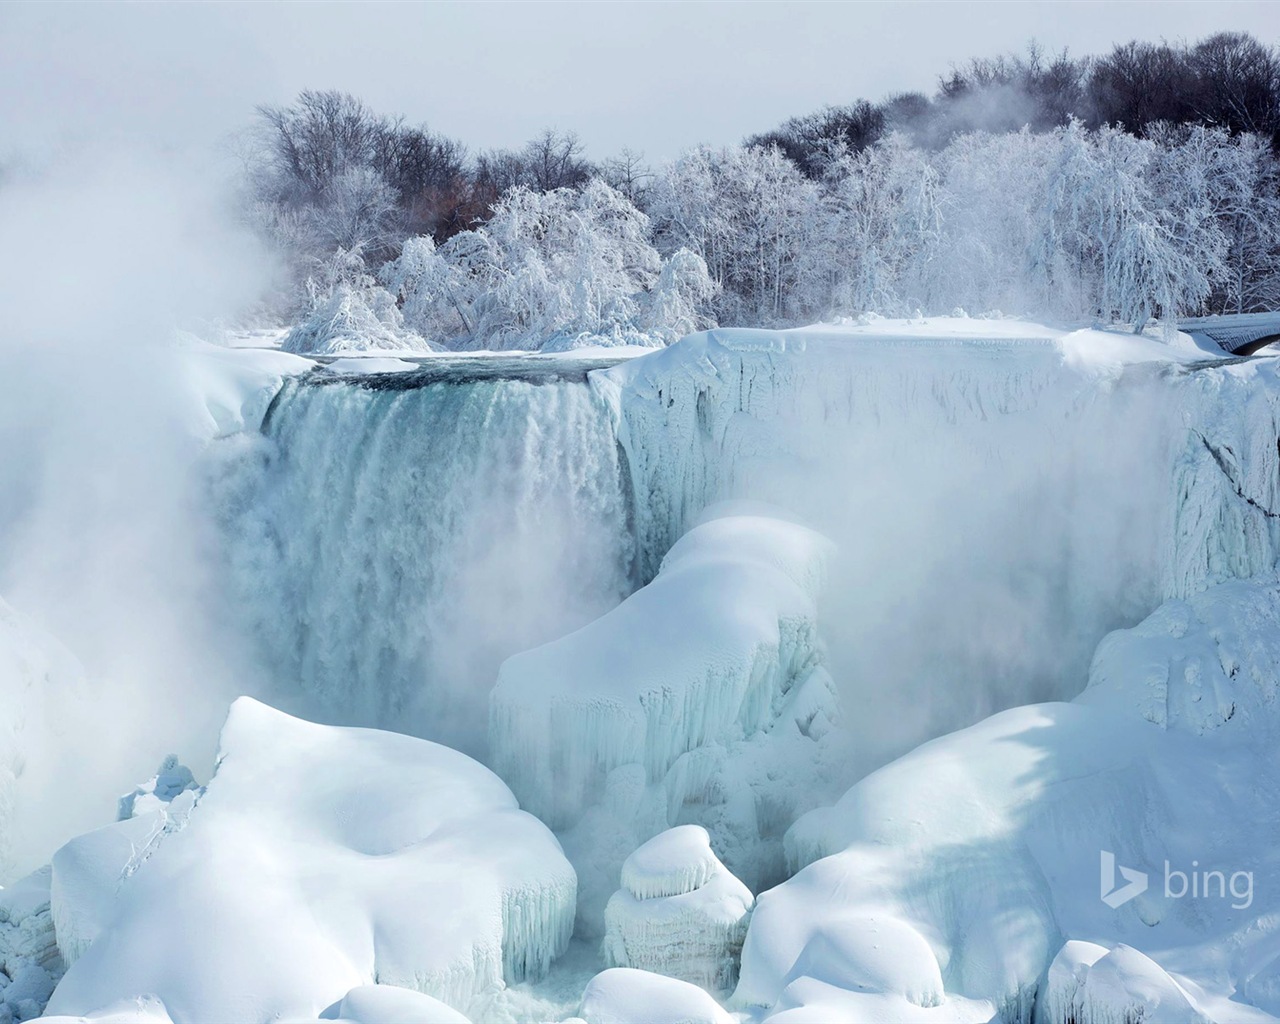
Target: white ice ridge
[622, 995]
[317, 860]
[680, 913]
[703, 655]
[943, 885]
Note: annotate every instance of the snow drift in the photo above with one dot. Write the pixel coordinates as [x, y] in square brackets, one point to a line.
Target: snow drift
[318, 859]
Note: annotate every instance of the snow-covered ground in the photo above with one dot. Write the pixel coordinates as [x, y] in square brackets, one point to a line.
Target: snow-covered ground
[679, 604]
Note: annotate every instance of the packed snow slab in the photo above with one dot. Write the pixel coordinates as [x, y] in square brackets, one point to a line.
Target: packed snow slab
[951, 878]
[680, 912]
[701, 655]
[625, 996]
[318, 859]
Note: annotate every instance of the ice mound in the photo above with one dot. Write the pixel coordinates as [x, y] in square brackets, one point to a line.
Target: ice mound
[943, 885]
[318, 859]
[387, 1004]
[687, 702]
[675, 862]
[621, 995]
[680, 913]
[30, 964]
[1087, 984]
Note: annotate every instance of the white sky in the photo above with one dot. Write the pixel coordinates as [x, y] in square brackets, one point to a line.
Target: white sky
[656, 76]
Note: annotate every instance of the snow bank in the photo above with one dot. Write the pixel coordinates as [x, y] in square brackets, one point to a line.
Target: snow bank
[953, 875]
[318, 859]
[675, 705]
[624, 996]
[30, 964]
[680, 913]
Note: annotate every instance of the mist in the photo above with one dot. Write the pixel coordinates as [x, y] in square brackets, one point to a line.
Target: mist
[105, 530]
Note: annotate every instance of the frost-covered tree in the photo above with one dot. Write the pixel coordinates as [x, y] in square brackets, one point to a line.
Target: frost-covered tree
[550, 268]
[680, 300]
[750, 214]
[349, 311]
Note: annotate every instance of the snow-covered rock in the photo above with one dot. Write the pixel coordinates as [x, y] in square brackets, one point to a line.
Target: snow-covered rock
[622, 995]
[30, 964]
[680, 912]
[952, 876]
[634, 723]
[318, 859]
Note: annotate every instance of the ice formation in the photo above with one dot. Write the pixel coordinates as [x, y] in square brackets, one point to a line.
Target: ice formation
[623, 995]
[972, 859]
[318, 859]
[30, 964]
[680, 912]
[614, 732]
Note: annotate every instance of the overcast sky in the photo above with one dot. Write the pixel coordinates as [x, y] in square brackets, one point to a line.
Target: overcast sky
[655, 76]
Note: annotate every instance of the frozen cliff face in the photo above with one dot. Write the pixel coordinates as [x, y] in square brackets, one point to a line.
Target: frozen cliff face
[680, 912]
[397, 535]
[318, 859]
[972, 859]
[652, 714]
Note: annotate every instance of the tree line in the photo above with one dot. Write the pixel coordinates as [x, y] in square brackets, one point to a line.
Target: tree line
[1143, 183]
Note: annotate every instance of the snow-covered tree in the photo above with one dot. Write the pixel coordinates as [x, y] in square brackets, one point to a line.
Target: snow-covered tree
[349, 311]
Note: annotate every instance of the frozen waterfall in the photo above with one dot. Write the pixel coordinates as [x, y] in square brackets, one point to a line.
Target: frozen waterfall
[398, 535]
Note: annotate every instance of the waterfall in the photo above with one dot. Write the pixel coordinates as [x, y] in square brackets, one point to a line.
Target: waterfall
[401, 534]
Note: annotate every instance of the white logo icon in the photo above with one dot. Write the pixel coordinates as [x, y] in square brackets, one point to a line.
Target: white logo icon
[1113, 897]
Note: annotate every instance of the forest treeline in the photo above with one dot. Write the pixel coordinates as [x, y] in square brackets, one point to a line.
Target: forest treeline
[1140, 184]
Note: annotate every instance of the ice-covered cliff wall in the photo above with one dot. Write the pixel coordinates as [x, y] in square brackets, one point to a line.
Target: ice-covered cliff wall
[1063, 483]
[398, 535]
